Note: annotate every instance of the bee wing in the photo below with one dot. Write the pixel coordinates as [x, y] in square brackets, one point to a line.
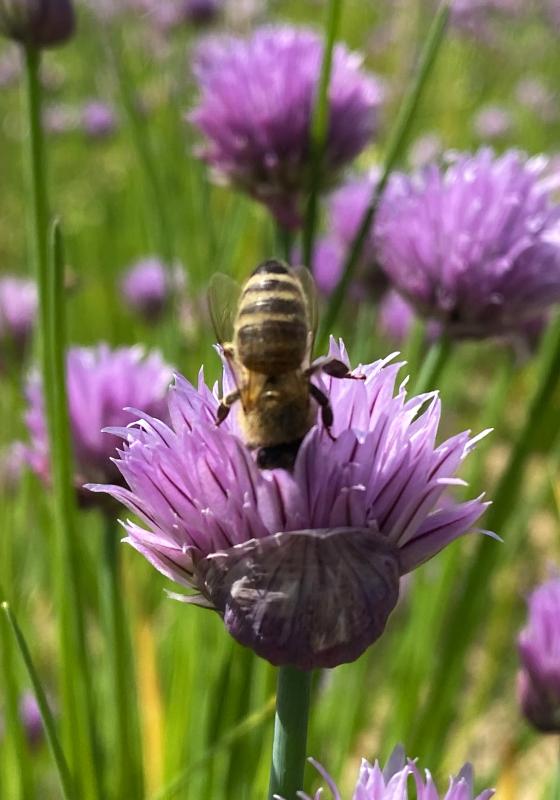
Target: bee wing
[310, 291]
[223, 301]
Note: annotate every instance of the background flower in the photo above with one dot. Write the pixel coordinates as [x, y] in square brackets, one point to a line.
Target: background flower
[475, 245]
[539, 651]
[101, 384]
[256, 101]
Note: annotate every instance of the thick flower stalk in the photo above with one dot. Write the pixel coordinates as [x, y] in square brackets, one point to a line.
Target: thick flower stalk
[100, 383]
[475, 245]
[303, 566]
[255, 110]
[394, 783]
[539, 652]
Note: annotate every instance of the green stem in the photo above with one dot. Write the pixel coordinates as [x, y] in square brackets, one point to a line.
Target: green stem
[396, 143]
[46, 715]
[414, 345]
[76, 690]
[290, 733]
[126, 745]
[434, 365]
[319, 131]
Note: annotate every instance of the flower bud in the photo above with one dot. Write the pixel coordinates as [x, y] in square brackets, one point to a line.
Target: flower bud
[37, 23]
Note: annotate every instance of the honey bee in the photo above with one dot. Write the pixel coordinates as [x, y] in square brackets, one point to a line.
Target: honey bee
[267, 329]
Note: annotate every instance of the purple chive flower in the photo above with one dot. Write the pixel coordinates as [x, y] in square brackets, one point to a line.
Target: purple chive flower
[475, 245]
[146, 288]
[303, 566]
[60, 118]
[98, 119]
[396, 316]
[492, 122]
[38, 23]
[256, 101]
[534, 95]
[18, 311]
[394, 782]
[426, 148]
[101, 383]
[539, 652]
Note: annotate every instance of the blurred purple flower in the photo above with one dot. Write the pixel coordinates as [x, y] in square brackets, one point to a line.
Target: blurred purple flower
[10, 66]
[346, 208]
[38, 23]
[532, 93]
[303, 566]
[396, 317]
[101, 383]
[492, 122]
[476, 245]
[539, 651]
[59, 118]
[328, 261]
[31, 719]
[98, 119]
[392, 783]
[18, 311]
[256, 101]
[146, 288]
[426, 148]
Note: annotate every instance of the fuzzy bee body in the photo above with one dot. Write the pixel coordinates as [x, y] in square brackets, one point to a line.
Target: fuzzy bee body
[272, 325]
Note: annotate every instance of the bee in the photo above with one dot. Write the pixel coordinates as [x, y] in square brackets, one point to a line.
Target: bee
[267, 329]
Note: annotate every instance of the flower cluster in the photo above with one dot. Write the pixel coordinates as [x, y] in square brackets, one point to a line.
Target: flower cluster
[101, 384]
[392, 783]
[255, 108]
[355, 515]
[539, 651]
[475, 245]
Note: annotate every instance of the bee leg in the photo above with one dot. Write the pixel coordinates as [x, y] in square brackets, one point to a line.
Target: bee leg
[325, 405]
[225, 406]
[333, 367]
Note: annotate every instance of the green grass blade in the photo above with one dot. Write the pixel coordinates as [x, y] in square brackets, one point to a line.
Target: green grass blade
[397, 141]
[319, 130]
[46, 715]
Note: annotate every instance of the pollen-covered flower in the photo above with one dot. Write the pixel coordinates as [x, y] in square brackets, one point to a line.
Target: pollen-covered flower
[18, 311]
[38, 23]
[395, 781]
[255, 108]
[475, 245]
[539, 651]
[304, 566]
[101, 383]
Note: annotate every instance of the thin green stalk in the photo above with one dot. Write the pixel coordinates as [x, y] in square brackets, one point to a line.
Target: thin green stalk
[77, 698]
[395, 146]
[434, 364]
[126, 744]
[414, 345]
[290, 733]
[16, 762]
[319, 131]
[145, 152]
[467, 611]
[46, 715]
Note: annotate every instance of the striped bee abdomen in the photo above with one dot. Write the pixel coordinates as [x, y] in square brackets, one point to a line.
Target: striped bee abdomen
[272, 323]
